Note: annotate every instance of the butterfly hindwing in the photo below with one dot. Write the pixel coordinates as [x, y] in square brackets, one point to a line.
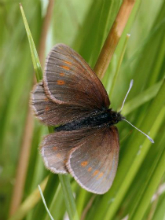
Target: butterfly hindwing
[55, 148]
[93, 164]
[54, 154]
[89, 155]
[68, 79]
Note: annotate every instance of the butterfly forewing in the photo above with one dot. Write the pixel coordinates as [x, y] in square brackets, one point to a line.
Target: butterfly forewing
[68, 79]
[51, 113]
[93, 164]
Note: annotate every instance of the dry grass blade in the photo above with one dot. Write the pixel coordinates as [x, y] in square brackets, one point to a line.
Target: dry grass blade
[113, 38]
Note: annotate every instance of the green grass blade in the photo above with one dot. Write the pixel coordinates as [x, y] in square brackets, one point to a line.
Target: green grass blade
[44, 202]
[34, 54]
[49, 193]
[151, 187]
[68, 197]
[29, 203]
[119, 64]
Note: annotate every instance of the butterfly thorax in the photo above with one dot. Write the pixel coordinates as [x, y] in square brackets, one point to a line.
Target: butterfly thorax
[106, 117]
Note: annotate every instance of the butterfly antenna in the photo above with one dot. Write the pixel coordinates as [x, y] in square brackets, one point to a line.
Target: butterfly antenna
[124, 119]
[152, 141]
[130, 86]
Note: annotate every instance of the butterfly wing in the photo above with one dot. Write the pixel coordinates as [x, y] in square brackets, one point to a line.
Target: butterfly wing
[94, 162]
[51, 113]
[55, 148]
[68, 79]
[55, 152]
[89, 155]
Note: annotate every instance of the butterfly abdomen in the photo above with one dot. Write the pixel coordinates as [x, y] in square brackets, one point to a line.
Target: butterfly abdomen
[96, 119]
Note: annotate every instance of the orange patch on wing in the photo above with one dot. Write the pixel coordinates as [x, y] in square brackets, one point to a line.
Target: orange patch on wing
[89, 169]
[84, 163]
[54, 148]
[100, 175]
[62, 74]
[65, 161]
[95, 173]
[60, 82]
[46, 99]
[66, 67]
[47, 108]
[59, 155]
[67, 62]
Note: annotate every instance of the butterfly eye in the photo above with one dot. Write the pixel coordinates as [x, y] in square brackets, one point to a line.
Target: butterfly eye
[116, 121]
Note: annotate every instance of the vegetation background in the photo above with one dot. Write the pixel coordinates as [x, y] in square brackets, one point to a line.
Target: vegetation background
[138, 191]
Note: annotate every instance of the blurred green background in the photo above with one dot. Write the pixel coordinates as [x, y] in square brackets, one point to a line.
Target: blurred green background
[84, 25]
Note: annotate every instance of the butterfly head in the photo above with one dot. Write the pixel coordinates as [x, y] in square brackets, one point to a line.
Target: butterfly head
[116, 117]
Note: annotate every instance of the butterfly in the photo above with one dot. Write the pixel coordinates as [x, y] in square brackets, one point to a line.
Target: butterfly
[86, 142]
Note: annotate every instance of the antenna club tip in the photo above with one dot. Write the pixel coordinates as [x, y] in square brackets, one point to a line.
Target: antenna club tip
[131, 83]
[152, 141]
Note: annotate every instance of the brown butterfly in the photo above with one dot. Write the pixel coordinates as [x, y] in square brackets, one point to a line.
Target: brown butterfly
[86, 143]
